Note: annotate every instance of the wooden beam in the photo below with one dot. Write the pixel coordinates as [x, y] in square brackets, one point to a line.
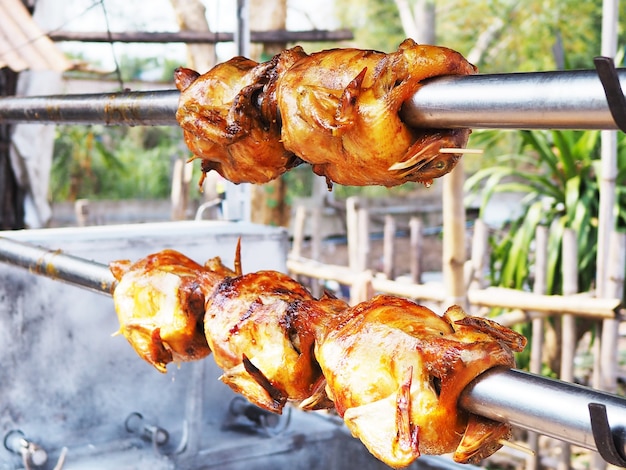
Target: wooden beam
[201, 37]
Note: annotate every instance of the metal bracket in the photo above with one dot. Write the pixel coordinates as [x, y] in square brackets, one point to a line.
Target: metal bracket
[604, 436]
[615, 99]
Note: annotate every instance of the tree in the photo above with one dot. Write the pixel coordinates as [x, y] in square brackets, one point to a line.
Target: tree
[499, 35]
[191, 16]
[269, 201]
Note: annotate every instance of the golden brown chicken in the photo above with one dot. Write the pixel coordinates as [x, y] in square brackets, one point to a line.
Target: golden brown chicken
[159, 302]
[224, 126]
[340, 113]
[258, 337]
[392, 369]
[336, 109]
[395, 370]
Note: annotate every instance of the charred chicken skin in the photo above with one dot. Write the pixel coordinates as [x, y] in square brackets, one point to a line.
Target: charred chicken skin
[392, 369]
[337, 110]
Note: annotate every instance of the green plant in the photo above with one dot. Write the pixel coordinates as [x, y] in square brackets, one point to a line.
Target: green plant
[556, 173]
[100, 162]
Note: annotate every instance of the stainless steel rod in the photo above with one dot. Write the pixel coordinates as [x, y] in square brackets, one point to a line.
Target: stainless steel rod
[57, 265]
[550, 407]
[547, 406]
[136, 108]
[535, 100]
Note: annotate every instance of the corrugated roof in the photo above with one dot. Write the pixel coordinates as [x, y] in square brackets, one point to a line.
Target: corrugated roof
[23, 45]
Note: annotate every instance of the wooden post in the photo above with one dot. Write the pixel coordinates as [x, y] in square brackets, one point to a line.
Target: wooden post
[352, 231]
[298, 232]
[536, 352]
[416, 244]
[316, 233]
[480, 242]
[610, 328]
[363, 239]
[389, 248]
[454, 237]
[317, 285]
[568, 324]
[180, 189]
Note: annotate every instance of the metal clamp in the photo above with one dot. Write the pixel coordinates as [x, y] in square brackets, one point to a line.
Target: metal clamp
[32, 454]
[135, 424]
[616, 101]
[604, 436]
[243, 415]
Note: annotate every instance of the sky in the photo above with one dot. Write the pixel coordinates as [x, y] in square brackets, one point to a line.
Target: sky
[124, 15]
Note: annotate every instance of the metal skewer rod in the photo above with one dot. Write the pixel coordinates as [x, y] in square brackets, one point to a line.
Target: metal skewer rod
[57, 265]
[551, 407]
[547, 406]
[132, 108]
[534, 100]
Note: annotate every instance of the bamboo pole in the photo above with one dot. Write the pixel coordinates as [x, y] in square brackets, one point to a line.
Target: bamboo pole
[454, 237]
[344, 275]
[416, 244]
[537, 335]
[610, 328]
[352, 231]
[363, 238]
[298, 232]
[389, 247]
[608, 175]
[581, 305]
[480, 242]
[316, 246]
[568, 325]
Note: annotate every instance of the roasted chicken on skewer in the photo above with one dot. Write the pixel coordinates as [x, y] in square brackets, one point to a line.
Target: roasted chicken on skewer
[160, 305]
[392, 369]
[337, 110]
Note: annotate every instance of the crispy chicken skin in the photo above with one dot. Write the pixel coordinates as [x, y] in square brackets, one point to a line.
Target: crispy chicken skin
[256, 332]
[395, 370]
[223, 125]
[337, 110]
[159, 302]
[340, 113]
[392, 369]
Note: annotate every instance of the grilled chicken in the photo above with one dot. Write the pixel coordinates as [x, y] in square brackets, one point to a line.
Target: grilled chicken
[395, 370]
[392, 369]
[224, 126]
[159, 302]
[258, 337]
[337, 110]
[340, 113]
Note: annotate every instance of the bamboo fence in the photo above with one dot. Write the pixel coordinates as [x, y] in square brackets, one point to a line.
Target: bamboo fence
[464, 284]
